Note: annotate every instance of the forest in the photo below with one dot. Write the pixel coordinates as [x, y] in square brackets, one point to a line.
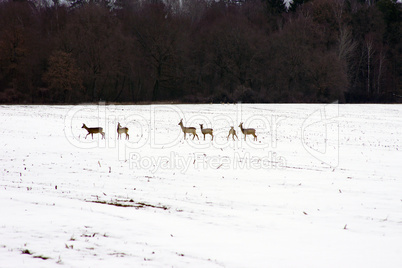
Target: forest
[200, 51]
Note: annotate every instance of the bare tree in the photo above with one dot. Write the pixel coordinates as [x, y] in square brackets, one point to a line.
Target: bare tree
[63, 76]
[369, 46]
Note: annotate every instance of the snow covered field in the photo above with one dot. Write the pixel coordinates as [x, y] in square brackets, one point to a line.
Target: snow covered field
[321, 187]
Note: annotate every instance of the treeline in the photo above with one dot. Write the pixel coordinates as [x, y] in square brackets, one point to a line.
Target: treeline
[200, 51]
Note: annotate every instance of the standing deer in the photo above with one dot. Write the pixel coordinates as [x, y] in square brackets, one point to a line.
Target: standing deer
[205, 131]
[190, 130]
[247, 131]
[232, 132]
[121, 130]
[93, 130]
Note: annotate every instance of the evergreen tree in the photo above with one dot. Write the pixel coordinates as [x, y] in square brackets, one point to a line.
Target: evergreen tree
[275, 7]
[294, 4]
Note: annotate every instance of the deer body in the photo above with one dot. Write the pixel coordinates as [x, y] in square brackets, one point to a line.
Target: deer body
[121, 130]
[232, 132]
[93, 130]
[190, 130]
[205, 131]
[247, 131]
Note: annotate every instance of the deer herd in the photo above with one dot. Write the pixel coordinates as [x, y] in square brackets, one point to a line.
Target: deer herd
[99, 130]
[186, 130]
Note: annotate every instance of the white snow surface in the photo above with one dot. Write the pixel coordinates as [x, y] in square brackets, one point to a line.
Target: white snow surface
[321, 186]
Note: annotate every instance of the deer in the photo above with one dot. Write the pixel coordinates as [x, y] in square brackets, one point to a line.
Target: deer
[93, 130]
[247, 131]
[232, 132]
[190, 130]
[121, 130]
[205, 131]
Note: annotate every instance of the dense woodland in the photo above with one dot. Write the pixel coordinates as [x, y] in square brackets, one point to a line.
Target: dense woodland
[200, 51]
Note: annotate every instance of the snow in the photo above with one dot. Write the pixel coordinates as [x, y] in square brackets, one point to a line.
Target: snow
[321, 187]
